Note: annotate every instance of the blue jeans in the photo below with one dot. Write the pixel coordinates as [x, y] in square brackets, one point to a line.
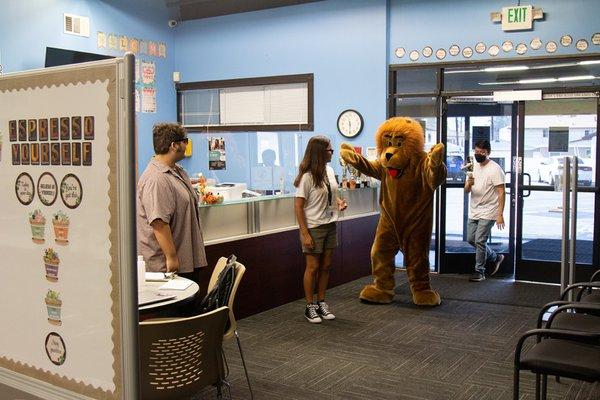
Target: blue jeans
[478, 232]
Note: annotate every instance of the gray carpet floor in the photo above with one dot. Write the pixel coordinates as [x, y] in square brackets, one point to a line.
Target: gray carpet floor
[461, 350]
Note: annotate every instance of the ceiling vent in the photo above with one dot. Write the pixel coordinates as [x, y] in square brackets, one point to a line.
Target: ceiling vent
[76, 25]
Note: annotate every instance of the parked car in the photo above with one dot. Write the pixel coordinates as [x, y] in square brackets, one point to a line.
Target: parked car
[550, 168]
[453, 164]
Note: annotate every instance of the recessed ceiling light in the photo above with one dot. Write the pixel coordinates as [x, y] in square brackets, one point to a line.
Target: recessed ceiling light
[539, 80]
[577, 78]
[510, 68]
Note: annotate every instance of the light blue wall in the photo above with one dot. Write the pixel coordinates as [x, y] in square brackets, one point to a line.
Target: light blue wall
[346, 44]
[342, 42]
[415, 24]
[27, 27]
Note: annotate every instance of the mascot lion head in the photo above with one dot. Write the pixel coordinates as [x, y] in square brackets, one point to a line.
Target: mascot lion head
[398, 141]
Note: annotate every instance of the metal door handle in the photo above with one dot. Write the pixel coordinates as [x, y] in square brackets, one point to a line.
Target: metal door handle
[525, 174]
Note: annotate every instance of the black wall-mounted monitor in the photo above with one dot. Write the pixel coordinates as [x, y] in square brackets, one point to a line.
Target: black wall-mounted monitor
[56, 57]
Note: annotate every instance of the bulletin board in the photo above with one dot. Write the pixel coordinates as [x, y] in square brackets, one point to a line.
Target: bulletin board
[66, 239]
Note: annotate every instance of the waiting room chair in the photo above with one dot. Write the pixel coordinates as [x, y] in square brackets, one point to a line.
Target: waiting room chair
[181, 356]
[232, 328]
[572, 351]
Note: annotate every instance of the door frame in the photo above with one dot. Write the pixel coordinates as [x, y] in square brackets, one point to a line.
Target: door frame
[462, 263]
[549, 271]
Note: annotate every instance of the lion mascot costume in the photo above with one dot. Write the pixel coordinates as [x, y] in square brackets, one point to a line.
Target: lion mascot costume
[409, 177]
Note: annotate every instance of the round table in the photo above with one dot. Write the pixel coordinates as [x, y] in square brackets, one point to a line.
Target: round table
[181, 296]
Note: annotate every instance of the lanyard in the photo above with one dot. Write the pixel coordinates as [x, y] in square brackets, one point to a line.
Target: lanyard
[329, 194]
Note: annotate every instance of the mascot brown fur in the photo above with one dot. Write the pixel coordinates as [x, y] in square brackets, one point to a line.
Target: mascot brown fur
[409, 177]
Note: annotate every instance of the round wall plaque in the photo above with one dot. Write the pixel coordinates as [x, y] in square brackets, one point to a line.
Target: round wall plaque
[507, 46]
[454, 50]
[440, 54]
[400, 52]
[427, 51]
[521, 48]
[71, 191]
[47, 189]
[467, 52]
[596, 38]
[55, 348]
[414, 55]
[566, 40]
[25, 188]
[480, 47]
[551, 47]
[535, 44]
[494, 50]
[581, 45]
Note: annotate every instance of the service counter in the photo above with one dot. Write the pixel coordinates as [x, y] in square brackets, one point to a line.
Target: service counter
[263, 233]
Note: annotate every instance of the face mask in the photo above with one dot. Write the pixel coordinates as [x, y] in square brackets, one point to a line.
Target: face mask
[480, 158]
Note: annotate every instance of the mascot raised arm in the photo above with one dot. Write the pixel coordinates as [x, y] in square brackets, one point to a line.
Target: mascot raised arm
[409, 177]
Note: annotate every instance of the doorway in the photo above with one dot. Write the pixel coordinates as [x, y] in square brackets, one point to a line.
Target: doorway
[552, 129]
[468, 120]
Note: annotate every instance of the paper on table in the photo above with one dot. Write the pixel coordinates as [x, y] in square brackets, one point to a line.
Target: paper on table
[158, 276]
[176, 284]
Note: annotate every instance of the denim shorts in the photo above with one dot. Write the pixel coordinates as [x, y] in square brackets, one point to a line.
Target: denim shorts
[324, 237]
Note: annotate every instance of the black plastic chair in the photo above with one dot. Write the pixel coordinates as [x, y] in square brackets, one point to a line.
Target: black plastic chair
[558, 352]
[181, 356]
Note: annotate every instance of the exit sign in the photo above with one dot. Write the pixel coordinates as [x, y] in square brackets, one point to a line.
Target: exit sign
[517, 18]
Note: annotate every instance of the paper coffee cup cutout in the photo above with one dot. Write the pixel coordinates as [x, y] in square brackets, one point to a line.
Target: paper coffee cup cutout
[60, 223]
[37, 222]
[51, 264]
[53, 305]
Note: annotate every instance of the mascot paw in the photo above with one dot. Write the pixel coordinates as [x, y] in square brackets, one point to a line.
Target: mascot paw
[436, 154]
[427, 298]
[346, 146]
[373, 294]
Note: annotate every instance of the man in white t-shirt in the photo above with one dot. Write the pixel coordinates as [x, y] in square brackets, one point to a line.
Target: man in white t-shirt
[486, 185]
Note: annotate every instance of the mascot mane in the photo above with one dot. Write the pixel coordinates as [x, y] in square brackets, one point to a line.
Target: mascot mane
[412, 131]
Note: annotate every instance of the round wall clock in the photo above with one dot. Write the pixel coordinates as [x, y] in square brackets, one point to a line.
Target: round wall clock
[350, 123]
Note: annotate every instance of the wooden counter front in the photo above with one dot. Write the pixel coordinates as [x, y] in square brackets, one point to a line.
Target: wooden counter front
[275, 264]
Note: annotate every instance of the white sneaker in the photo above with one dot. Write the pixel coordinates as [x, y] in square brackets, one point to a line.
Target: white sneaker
[310, 313]
[323, 311]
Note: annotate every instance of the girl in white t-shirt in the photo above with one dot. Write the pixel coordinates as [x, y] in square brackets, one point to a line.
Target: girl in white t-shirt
[316, 206]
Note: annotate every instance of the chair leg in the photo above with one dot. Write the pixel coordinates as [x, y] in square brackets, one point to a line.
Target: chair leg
[237, 337]
[219, 391]
[537, 386]
[516, 385]
[544, 386]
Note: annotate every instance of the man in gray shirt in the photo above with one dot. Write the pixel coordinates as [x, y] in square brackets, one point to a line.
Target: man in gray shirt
[168, 225]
